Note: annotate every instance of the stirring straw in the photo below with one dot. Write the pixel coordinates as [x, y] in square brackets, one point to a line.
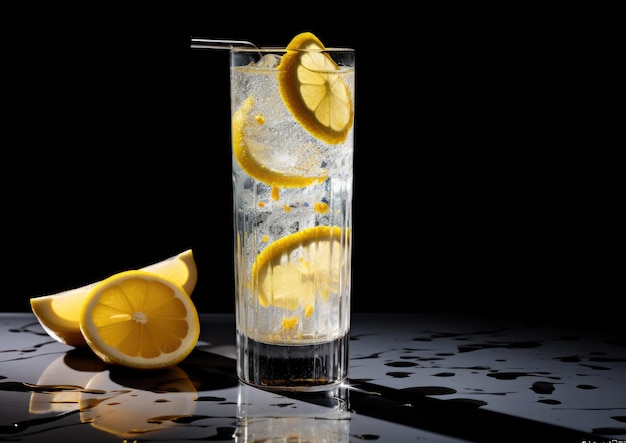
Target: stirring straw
[209, 43]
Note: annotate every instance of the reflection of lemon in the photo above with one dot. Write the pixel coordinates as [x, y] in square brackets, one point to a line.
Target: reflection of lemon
[127, 413]
[59, 314]
[259, 159]
[61, 397]
[313, 91]
[291, 271]
[140, 320]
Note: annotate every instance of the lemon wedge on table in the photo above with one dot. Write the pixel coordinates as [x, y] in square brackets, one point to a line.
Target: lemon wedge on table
[316, 96]
[59, 314]
[293, 269]
[141, 320]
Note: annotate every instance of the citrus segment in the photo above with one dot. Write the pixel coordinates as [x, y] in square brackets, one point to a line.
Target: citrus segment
[258, 158]
[181, 269]
[313, 91]
[290, 272]
[59, 314]
[140, 320]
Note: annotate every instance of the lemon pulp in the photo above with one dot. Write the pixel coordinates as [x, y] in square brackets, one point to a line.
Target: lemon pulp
[140, 320]
[313, 91]
[59, 314]
[290, 272]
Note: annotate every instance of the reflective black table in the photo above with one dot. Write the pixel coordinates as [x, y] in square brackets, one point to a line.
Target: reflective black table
[413, 378]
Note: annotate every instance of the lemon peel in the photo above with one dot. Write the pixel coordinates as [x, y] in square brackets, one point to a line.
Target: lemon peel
[249, 154]
[141, 320]
[59, 314]
[314, 91]
[291, 271]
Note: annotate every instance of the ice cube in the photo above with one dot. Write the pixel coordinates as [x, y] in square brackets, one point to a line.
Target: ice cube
[269, 61]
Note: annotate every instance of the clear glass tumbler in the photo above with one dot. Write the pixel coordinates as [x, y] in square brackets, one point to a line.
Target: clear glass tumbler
[292, 163]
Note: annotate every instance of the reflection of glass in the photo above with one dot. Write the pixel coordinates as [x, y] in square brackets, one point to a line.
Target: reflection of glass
[123, 403]
[314, 417]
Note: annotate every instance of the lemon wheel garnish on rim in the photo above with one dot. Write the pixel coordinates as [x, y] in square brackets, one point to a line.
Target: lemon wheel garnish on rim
[140, 320]
[255, 157]
[317, 97]
[290, 272]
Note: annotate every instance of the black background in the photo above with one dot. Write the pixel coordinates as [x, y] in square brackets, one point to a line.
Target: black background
[479, 165]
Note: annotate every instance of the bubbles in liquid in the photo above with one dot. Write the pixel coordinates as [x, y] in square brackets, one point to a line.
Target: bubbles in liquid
[277, 204]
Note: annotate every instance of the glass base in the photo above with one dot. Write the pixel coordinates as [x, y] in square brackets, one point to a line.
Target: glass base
[308, 367]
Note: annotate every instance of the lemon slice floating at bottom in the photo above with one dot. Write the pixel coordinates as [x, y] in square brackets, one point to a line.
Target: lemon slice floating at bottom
[294, 269]
[140, 320]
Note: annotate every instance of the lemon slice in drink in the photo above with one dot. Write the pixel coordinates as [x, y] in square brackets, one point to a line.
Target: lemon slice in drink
[260, 159]
[310, 88]
[292, 270]
[140, 320]
[59, 314]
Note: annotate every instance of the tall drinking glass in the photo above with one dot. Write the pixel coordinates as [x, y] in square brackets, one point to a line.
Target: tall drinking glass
[292, 163]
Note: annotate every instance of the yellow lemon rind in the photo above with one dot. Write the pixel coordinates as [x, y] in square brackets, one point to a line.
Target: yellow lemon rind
[59, 314]
[108, 352]
[252, 166]
[286, 245]
[304, 77]
[180, 268]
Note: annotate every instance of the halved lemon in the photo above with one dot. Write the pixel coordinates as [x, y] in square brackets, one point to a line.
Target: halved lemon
[314, 92]
[259, 159]
[290, 272]
[59, 314]
[141, 320]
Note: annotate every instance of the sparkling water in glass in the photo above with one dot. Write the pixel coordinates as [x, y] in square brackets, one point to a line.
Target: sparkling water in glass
[292, 184]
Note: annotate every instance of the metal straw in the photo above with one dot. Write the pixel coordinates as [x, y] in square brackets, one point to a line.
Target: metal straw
[209, 43]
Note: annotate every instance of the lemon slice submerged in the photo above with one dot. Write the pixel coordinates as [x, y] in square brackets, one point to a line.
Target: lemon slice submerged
[261, 160]
[314, 91]
[140, 320]
[292, 271]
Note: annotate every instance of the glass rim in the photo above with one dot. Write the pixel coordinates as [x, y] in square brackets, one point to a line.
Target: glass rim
[270, 49]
